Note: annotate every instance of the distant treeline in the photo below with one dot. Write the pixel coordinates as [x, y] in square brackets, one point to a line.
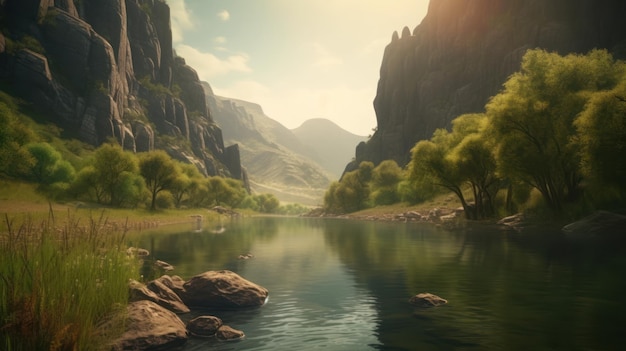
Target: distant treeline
[553, 138]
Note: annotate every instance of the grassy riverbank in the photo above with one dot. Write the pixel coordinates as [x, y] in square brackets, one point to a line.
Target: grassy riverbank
[60, 279]
[21, 201]
[64, 268]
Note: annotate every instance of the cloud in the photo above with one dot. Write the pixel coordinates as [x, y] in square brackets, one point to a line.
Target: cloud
[247, 90]
[181, 19]
[323, 58]
[209, 66]
[224, 15]
[220, 40]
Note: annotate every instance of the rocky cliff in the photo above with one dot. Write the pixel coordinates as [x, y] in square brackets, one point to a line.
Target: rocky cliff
[103, 69]
[276, 161]
[462, 53]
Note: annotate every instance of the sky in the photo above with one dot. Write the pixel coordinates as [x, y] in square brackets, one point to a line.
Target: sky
[298, 59]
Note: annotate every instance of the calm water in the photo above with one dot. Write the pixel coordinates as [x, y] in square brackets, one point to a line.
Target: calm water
[345, 285]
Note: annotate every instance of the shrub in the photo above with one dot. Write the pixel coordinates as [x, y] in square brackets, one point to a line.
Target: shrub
[164, 200]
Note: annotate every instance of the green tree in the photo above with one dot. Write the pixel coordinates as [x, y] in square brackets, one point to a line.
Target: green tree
[179, 188]
[86, 183]
[330, 198]
[115, 168]
[429, 163]
[458, 160]
[385, 179]
[601, 140]
[15, 161]
[218, 191]
[186, 183]
[49, 166]
[387, 174]
[472, 153]
[131, 190]
[238, 193]
[352, 192]
[112, 177]
[532, 120]
[268, 203]
[159, 172]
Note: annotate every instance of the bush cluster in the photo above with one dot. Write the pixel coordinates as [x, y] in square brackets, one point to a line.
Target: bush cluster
[557, 131]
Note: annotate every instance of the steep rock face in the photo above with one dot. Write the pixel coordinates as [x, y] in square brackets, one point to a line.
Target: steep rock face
[106, 69]
[462, 53]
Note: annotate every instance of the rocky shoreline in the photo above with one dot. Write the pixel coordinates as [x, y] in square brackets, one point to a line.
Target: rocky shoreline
[436, 215]
[151, 320]
[599, 224]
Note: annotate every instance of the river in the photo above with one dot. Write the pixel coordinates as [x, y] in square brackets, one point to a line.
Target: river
[344, 285]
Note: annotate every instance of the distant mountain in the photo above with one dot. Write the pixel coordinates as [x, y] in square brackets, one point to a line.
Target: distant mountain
[274, 158]
[332, 146]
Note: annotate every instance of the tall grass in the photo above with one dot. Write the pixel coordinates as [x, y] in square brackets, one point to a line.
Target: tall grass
[61, 280]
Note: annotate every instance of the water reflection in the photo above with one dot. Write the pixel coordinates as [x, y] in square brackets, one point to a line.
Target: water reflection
[344, 285]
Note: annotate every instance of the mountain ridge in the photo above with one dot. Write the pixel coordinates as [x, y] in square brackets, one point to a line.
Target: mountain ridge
[274, 158]
[334, 155]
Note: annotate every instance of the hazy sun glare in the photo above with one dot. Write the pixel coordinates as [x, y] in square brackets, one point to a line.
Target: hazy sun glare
[297, 59]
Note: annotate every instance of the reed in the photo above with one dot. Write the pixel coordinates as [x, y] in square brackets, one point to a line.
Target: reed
[60, 280]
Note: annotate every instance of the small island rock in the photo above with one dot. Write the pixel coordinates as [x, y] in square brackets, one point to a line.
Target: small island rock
[427, 300]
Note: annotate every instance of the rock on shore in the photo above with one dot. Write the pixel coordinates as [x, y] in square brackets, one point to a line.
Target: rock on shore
[223, 289]
[151, 323]
[150, 327]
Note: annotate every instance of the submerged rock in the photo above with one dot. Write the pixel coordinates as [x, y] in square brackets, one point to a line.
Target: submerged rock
[226, 333]
[427, 300]
[222, 289]
[600, 224]
[149, 326]
[204, 326]
[137, 252]
[163, 265]
[517, 221]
